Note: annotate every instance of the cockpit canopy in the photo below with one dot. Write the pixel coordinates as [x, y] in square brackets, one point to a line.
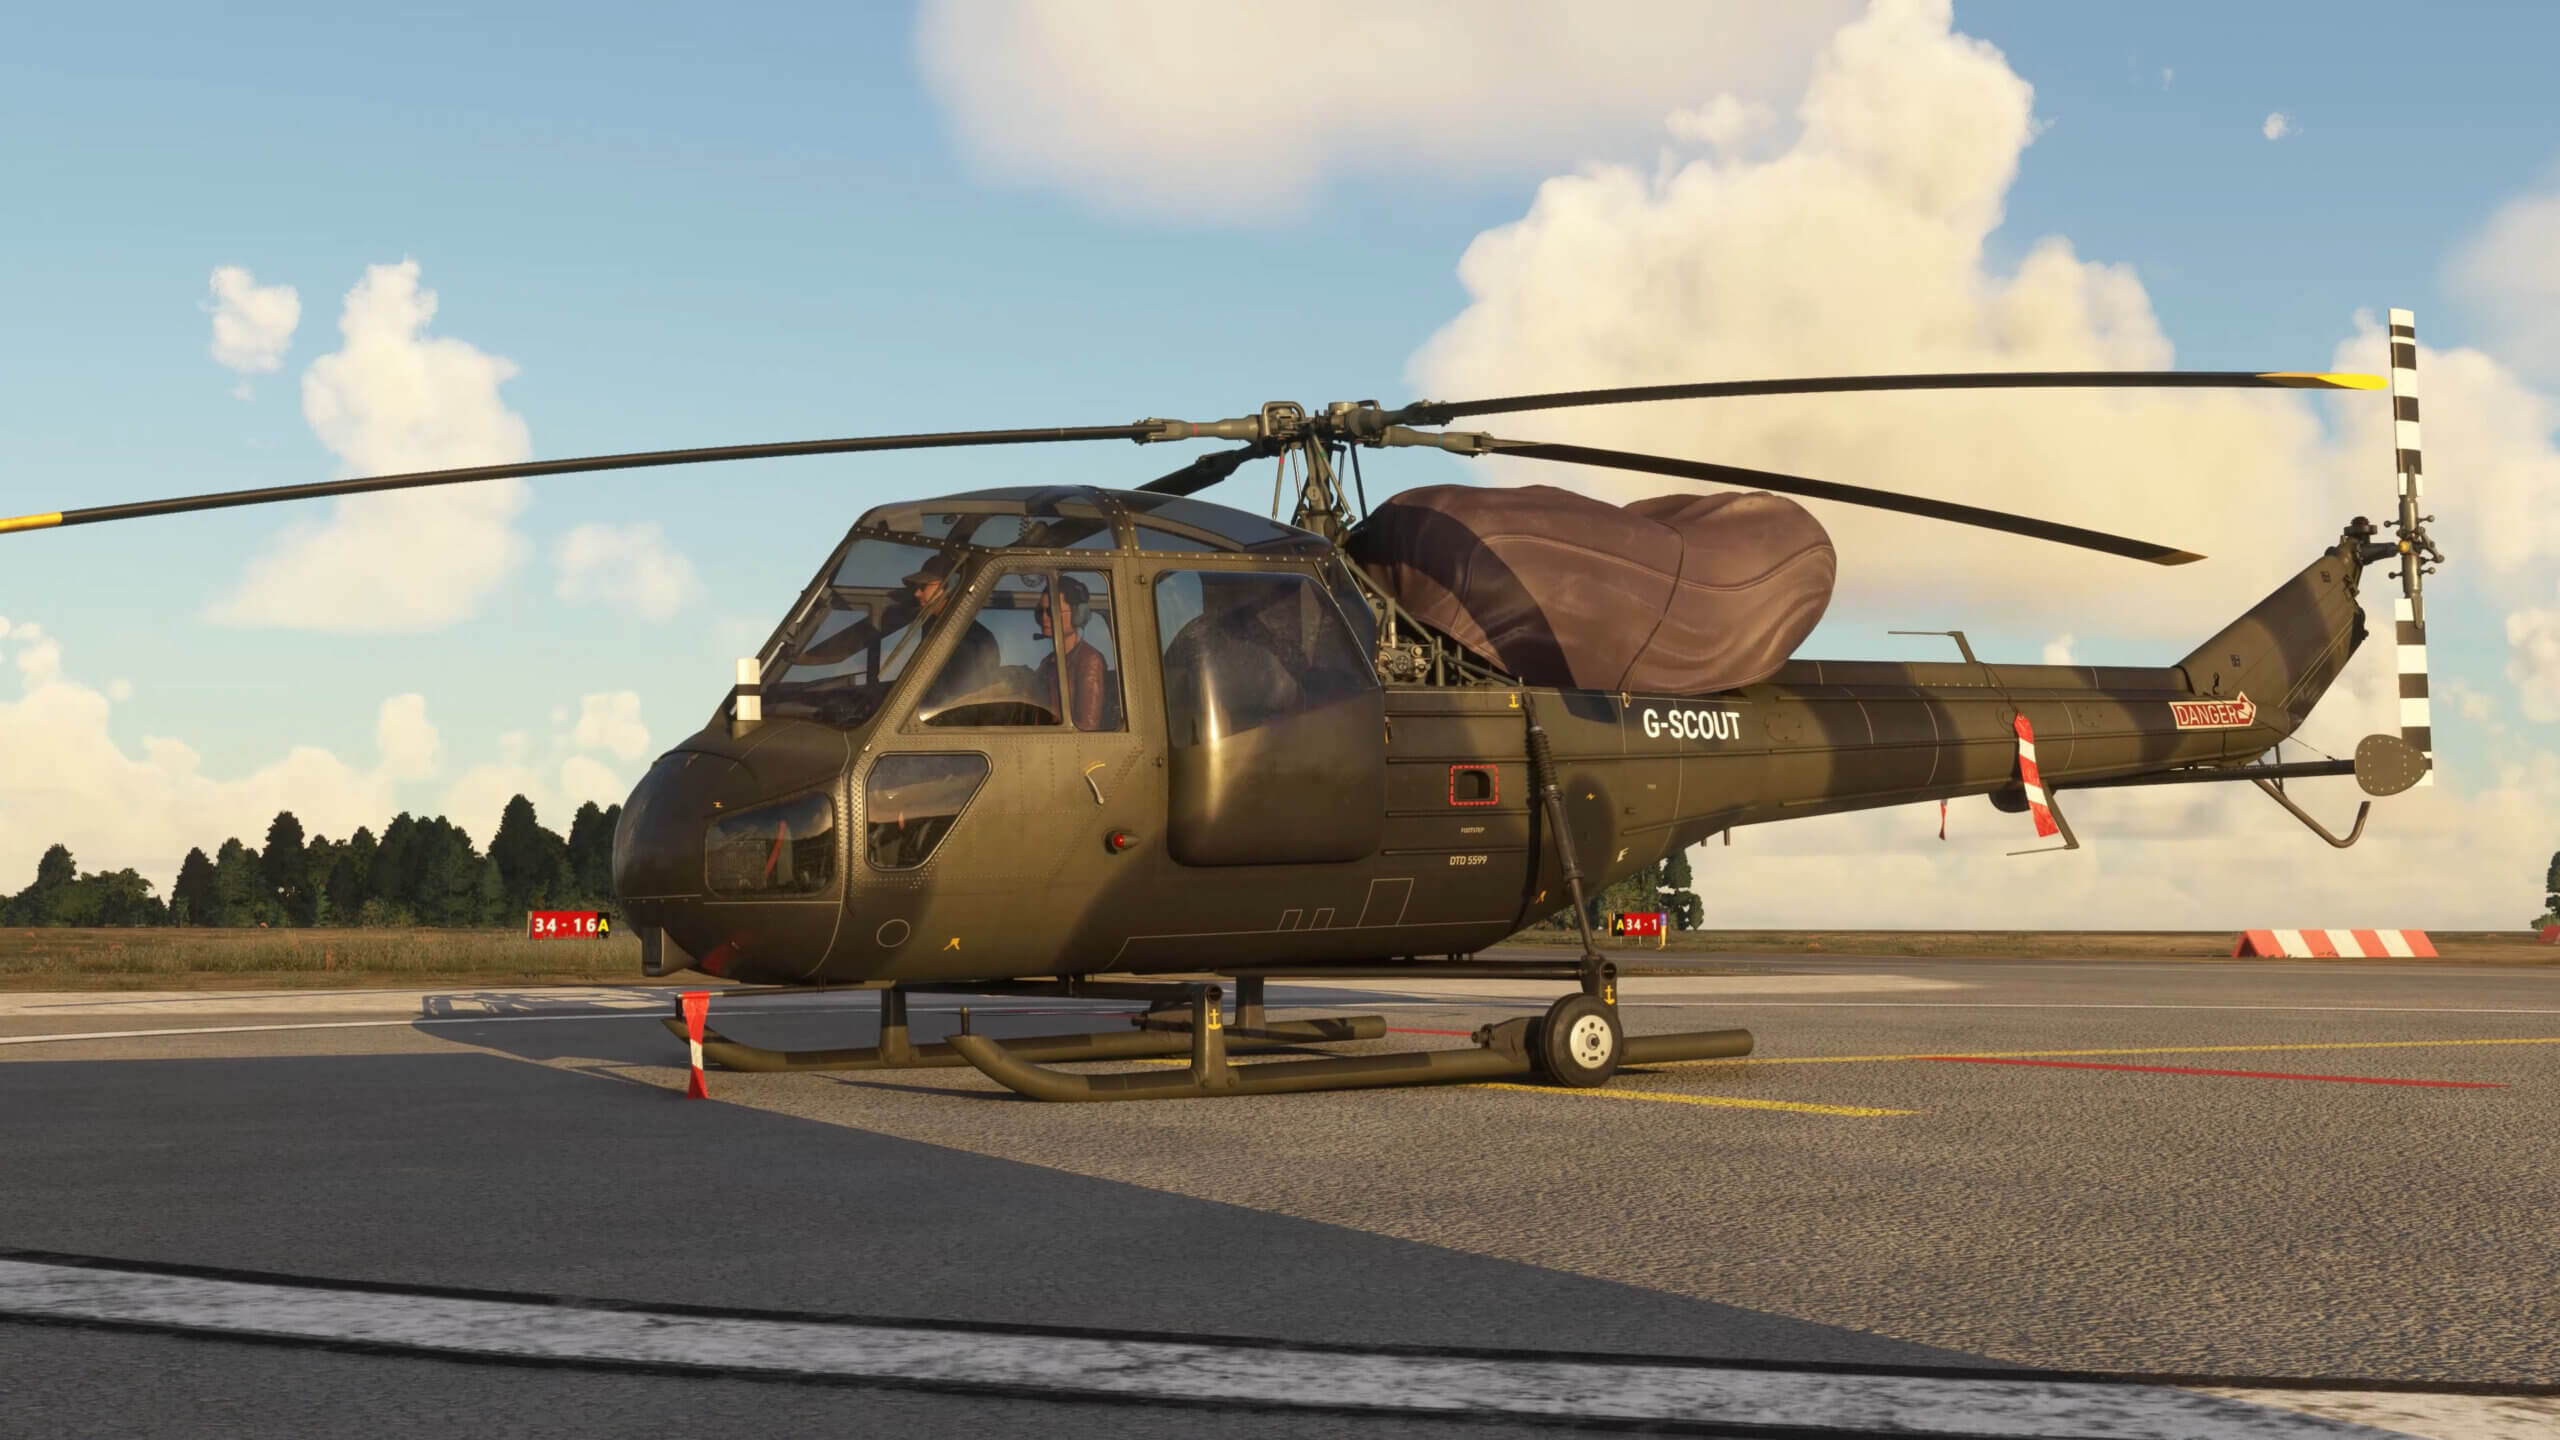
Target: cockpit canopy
[876, 603]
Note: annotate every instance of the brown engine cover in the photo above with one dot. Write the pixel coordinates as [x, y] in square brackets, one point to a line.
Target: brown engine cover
[1680, 594]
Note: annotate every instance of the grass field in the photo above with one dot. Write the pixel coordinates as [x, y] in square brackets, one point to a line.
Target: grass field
[155, 959]
[192, 959]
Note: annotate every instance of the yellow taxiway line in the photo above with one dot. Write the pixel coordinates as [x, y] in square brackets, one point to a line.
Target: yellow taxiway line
[2142, 1050]
[1674, 1098]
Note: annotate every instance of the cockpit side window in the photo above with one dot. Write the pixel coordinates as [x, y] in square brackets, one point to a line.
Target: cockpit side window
[1042, 650]
[858, 635]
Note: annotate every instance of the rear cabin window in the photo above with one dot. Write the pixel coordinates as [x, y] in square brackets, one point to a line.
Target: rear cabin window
[1245, 648]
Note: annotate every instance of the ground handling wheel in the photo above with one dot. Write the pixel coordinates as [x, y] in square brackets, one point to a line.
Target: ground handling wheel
[1579, 1042]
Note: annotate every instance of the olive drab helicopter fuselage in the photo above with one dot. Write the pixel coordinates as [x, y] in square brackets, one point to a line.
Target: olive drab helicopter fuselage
[1058, 740]
[1255, 794]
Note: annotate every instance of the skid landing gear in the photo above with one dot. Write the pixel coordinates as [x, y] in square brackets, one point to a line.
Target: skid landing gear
[1159, 1032]
[1578, 1042]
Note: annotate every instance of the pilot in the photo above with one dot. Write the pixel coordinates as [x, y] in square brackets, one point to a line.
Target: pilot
[1085, 698]
[975, 660]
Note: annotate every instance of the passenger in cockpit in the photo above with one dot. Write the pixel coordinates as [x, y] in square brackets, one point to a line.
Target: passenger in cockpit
[1085, 695]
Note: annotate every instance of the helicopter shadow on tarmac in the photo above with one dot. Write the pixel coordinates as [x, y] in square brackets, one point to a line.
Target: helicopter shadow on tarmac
[624, 1037]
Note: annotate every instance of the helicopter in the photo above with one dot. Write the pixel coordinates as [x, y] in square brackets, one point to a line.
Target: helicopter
[1073, 741]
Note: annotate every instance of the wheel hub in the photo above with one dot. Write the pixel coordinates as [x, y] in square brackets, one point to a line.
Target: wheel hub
[1590, 1042]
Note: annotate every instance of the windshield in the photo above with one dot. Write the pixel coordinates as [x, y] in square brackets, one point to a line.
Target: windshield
[876, 611]
[1047, 517]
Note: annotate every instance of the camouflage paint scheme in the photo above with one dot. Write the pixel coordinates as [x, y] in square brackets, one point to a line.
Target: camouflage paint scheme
[1027, 883]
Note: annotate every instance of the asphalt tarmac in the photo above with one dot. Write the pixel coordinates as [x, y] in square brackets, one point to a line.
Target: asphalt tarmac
[2242, 1170]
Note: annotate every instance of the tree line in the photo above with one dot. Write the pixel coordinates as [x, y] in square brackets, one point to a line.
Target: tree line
[1660, 887]
[417, 872]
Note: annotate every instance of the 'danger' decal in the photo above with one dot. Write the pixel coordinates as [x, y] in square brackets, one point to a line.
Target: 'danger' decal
[2213, 714]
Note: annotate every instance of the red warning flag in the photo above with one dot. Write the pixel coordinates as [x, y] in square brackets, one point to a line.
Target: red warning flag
[696, 1005]
[2033, 782]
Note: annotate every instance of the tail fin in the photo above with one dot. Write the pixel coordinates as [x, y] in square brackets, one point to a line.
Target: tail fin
[2282, 656]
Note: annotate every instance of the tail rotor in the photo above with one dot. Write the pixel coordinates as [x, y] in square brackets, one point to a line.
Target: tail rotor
[2418, 554]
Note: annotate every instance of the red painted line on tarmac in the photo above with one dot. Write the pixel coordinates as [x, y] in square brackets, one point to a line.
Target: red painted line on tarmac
[2243, 1074]
[1402, 1030]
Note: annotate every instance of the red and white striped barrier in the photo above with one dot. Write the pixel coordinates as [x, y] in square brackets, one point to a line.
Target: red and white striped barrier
[2335, 944]
[2030, 780]
[696, 1005]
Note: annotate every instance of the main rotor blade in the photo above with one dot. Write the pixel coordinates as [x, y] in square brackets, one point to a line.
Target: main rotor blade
[1439, 412]
[1209, 469]
[640, 460]
[1973, 515]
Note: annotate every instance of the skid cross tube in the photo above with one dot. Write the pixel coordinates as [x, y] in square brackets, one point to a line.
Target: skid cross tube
[1151, 1036]
[1501, 1053]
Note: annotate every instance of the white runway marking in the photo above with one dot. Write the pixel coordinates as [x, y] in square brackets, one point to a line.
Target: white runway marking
[1527, 1387]
[656, 1012]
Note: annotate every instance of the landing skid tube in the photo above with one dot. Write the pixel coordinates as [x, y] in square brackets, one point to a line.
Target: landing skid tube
[1158, 1033]
[1511, 1050]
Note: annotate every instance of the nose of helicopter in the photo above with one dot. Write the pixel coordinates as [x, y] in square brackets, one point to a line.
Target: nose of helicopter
[776, 787]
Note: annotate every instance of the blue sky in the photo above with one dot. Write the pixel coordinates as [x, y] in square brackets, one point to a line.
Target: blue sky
[689, 226]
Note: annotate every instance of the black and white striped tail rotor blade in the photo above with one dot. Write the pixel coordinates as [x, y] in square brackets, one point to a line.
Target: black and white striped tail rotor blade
[2410, 609]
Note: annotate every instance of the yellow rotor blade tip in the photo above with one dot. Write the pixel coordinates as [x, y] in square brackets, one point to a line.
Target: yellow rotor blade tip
[45, 521]
[2323, 380]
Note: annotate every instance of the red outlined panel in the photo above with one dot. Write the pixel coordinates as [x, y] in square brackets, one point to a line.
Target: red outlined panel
[1475, 784]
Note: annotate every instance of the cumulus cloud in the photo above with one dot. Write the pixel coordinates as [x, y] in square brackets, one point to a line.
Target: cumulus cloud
[611, 722]
[630, 568]
[477, 799]
[393, 398]
[2533, 664]
[64, 779]
[558, 772]
[406, 738]
[584, 780]
[1723, 123]
[2508, 276]
[2278, 125]
[252, 323]
[1860, 246]
[1170, 107]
